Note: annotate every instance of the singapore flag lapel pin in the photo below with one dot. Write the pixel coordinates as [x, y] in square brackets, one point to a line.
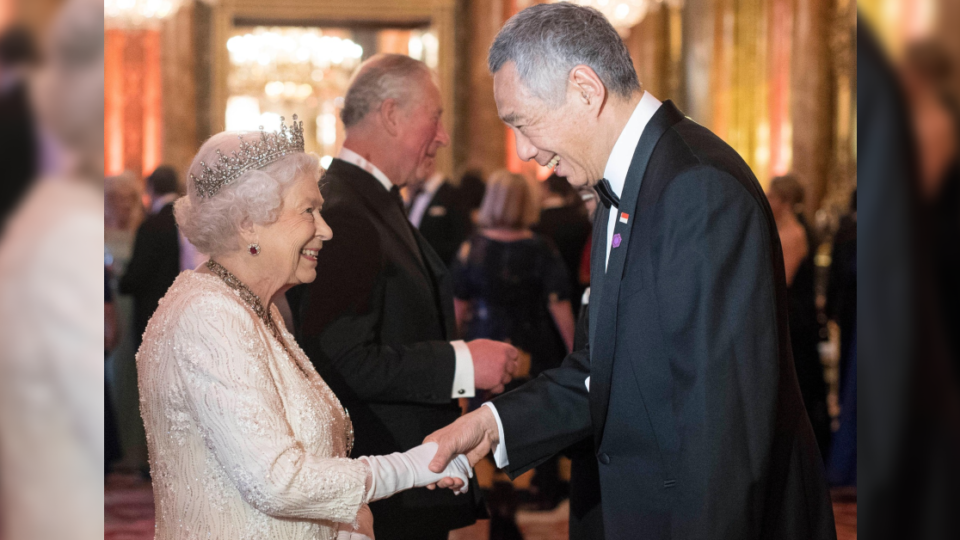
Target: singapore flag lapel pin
[624, 217]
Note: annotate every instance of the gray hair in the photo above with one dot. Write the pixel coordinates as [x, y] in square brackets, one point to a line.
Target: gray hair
[382, 77]
[212, 224]
[546, 41]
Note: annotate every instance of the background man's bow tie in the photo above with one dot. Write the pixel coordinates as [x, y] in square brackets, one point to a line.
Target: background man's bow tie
[605, 192]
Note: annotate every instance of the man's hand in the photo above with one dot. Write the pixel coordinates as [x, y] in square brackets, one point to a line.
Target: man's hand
[494, 364]
[473, 434]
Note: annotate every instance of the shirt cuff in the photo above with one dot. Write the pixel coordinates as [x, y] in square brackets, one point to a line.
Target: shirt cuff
[500, 451]
[587, 383]
[463, 383]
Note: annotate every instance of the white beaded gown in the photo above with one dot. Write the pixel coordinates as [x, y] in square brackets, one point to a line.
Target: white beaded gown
[245, 441]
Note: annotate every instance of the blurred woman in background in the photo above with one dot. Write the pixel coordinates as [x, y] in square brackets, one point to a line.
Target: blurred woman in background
[511, 285]
[563, 219]
[122, 214]
[786, 196]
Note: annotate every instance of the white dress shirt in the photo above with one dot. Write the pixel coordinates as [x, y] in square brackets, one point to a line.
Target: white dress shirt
[463, 383]
[616, 174]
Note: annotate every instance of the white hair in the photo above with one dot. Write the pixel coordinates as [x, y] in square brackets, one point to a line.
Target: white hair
[212, 224]
[382, 77]
[546, 41]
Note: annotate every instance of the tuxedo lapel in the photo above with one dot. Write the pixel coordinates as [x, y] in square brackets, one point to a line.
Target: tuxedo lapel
[382, 205]
[603, 323]
[442, 286]
[597, 261]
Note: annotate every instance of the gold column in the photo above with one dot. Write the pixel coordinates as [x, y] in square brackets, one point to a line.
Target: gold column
[481, 141]
[178, 62]
[739, 81]
[813, 100]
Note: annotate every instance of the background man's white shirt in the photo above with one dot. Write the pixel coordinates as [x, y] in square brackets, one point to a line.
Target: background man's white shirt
[418, 206]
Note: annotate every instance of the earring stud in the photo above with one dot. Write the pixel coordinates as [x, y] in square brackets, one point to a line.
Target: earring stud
[254, 249]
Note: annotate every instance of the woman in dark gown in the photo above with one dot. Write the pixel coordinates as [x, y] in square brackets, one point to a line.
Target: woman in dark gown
[511, 285]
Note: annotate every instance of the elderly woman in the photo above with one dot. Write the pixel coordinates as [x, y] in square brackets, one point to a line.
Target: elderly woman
[245, 439]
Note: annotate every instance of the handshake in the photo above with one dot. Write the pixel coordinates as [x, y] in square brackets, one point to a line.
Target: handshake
[398, 472]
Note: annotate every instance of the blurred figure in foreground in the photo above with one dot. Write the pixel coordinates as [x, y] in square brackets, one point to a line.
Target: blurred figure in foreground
[156, 252]
[18, 134]
[511, 285]
[908, 474]
[51, 370]
[785, 195]
[927, 71]
[563, 219]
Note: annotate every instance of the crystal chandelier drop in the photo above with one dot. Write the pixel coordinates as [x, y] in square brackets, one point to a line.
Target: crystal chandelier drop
[137, 13]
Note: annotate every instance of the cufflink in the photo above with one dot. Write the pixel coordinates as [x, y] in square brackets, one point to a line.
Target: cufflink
[461, 391]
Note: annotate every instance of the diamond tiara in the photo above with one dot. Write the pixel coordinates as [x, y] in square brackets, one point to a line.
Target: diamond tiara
[269, 148]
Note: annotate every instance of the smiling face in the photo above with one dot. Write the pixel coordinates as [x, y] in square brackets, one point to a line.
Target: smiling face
[559, 136]
[290, 245]
[421, 132]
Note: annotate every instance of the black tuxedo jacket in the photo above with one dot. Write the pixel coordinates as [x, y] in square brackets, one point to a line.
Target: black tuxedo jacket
[154, 266]
[694, 409]
[377, 323]
[445, 223]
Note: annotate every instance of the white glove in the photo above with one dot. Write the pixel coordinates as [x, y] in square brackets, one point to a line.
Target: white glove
[361, 529]
[401, 471]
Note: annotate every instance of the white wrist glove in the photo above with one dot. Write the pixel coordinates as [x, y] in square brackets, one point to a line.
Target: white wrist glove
[361, 529]
[401, 471]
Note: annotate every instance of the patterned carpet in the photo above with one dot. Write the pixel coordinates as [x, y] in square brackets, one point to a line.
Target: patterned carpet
[128, 515]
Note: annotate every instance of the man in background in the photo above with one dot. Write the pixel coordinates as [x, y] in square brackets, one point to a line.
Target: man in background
[433, 208]
[155, 262]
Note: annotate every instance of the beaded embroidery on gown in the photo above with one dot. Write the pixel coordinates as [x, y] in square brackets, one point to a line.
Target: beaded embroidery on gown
[245, 441]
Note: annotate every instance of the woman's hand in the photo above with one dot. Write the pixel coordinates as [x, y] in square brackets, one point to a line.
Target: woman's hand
[401, 471]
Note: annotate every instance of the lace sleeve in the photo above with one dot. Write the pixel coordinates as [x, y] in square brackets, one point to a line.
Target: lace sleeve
[232, 396]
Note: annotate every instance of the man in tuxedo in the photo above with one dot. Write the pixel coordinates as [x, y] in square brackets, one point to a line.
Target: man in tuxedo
[378, 322]
[434, 209]
[155, 262]
[686, 386]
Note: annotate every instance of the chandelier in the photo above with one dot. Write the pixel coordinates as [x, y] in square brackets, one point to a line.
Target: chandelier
[625, 14]
[292, 46]
[137, 13]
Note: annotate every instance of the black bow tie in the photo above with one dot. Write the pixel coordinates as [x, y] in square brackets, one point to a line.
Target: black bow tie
[605, 192]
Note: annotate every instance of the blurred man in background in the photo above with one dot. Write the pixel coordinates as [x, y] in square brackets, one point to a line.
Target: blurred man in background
[18, 137]
[155, 262]
[435, 209]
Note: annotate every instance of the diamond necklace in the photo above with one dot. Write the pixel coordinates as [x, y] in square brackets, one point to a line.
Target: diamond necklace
[245, 293]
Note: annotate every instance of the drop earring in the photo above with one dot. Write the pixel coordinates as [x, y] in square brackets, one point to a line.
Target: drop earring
[254, 249]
